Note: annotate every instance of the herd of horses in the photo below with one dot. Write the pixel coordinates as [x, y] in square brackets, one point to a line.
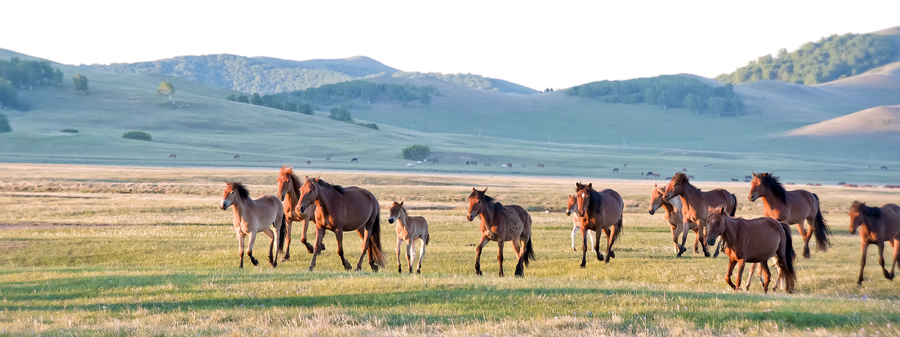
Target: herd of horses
[709, 214]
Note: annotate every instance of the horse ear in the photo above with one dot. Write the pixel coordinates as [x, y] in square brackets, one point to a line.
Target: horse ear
[485, 190]
[474, 190]
[317, 178]
[305, 177]
[710, 209]
[591, 185]
[720, 209]
[401, 204]
[654, 185]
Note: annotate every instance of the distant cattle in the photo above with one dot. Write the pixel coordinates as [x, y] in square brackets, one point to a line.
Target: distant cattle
[487, 164]
[842, 183]
[503, 166]
[789, 183]
[308, 162]
[409, 164]
[849, 185]
[748, 179]
[616, 170]
[354, 160]
[327, 158]
[684, 170]
[732, 179]
[508, 164]
[884, 168]
[541, 165]
[625, 165]
[172, 156]
[809, 184]
[237, 156]
[868, 186]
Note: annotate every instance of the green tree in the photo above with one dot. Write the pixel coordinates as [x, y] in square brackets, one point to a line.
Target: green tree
[342, 114]
[305, 109]
[4, 124]
[8, 94]
[243, 99]
[256, 100]
[81, 83]
[416, 152]
[231, 97]
[57, 77]
[137, 135]
[166, 89]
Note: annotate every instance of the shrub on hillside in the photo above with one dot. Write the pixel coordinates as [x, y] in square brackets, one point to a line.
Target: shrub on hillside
[4, 124]
[137, 135]
[305, 109]
[68, 131]
[368, 125]
[416, 152]
[342, 114]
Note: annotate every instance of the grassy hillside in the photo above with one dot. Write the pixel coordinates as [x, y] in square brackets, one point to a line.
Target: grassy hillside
[356, 66]
[882, 120]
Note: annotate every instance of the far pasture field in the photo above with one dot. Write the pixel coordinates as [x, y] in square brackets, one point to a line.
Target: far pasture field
[103, 250]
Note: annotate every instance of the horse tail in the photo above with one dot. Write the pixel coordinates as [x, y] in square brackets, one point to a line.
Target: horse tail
[282, 232]
[529, 251]
[618, 230]
[733, 208]
[786, 260]
[375, 251]
[821, 229]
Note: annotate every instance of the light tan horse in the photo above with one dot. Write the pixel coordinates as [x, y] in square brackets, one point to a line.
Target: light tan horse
[341, 209]
[791, 207]
[254, 216]
[501, 223]
[289, 191]
[571, 209]
[876, 225]
[675, 218]
[754, 241]
[409, 229]
[695, 203]
[599, 211]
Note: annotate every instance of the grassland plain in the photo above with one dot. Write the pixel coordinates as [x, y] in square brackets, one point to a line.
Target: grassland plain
[93, 250]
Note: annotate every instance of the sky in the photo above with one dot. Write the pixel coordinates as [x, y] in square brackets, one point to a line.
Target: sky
[546, 44]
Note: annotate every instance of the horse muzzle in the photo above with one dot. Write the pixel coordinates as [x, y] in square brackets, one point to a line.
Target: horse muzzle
[752, 197]
[568, 212]
[302, 208]
[711, 241]
[652, 211]
[391, 220]
[224, 204]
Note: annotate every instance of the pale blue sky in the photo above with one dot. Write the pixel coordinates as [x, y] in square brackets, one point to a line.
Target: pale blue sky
[537, 44]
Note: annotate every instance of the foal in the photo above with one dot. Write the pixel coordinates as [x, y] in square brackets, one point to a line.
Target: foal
[409, 229]
[571, 209]
[254, 216]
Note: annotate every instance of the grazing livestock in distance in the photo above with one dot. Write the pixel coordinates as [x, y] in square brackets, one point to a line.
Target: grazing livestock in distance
[354, 160]
[616, 170]
[876, 225]
[237, 156]
[172, 156]
[501, 223]
[540, 165]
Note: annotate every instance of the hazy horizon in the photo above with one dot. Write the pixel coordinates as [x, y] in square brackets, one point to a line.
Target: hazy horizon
[538, 46]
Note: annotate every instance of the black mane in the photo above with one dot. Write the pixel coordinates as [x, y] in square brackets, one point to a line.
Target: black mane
[595, 203]
[335, 187]
[772, 183]
[481, 196]
[861, 208]
[242, 191]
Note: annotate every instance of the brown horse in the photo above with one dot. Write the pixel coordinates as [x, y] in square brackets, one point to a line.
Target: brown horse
[409, 229]
[696, 203]
[876, 225]
[341, 209]
[501, 223]
[572, 209]
[675, 218]
[289, 191]
[599, 211]
[791, 207]
[254, 216]
[755, 241]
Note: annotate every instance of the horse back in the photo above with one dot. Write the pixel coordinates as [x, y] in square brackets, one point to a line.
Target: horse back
[352, 209]
[801, 205]
[890, 214]
[757, 239]
[518, 222]
[611, 208]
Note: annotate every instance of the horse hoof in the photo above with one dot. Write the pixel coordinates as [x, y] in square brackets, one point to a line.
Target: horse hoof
[418, 271]
[322, 247]
[705, 254]
[478, 272]
[286, 257]
[582, 266]
[310, 269]
[679, 255]
[599, 257]
[400, 270]
[309, 247]
[357, 270]
[255, 262]
[612, 254]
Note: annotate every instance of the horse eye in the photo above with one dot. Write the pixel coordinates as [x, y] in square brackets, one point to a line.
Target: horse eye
[232, 192]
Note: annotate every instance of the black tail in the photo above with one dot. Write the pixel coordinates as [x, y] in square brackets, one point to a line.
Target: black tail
[733, 209]
[821, 229]
[618, 231]
[282, 232]
[427, 239]
[375, 251]
[529, 252]
[786, 261]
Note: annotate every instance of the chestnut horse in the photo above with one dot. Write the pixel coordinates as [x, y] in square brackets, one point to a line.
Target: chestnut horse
[696, 203]
[675, 218]
[755, 241]
[571, 209]
[501, 223]
[876, 225]
[341, 209]
[791, 207]
[254, 216]
[599, 211]
[289, 191]
[409, 229]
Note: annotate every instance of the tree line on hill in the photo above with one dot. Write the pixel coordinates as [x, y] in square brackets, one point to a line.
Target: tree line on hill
[302, 101]
[16, 74]
[828, 59]
[668, 91]
[469, 80]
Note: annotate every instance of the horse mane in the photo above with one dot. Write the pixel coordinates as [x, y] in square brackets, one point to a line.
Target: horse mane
[681, 177]
[861, 208]
[338, 188]
[482, 196]
[295, 180]
[595, 201]
[771, 182]
[242, 191]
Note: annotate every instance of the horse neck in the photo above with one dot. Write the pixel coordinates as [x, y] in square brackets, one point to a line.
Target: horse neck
[239, 204]
[293, 198]
[488, 214]
[669, 207]
[770, 201]
[403, 217]
[690, 194]
[729, 234]
[324, 196]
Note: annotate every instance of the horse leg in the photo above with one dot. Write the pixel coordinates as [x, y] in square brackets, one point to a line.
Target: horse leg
[339, 235]
[805, 236]
[674, 239]
[365, 248]
[764, 274]
[240, 237]
[731, 264]
[575, 229]
[397, 250]
[593, 240]
[895, 245]
[584, 247]
[320, 234]
[696, 240]
[500, 256]
[701, 224]
[272, 258]
[410, 253]
[520, 263]
[684, 232]
[421, 256]
[287, 238]
[881, 260]
[719, 248]
[753, 267]
[484, 241]
[250, 248]
[309, 247]
[862, 262]
[610, 234]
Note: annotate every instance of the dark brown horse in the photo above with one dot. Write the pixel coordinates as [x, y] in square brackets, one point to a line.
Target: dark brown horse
[341, 209]
[754, 241]
[289, 190]
[254, 216]
[599, 211]
[501, 223]
[791, 207]
[876, 225]
[696, 203]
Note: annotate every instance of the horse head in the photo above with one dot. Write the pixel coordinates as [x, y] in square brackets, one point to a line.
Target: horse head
[859, 213]
[656, 198]
[477, 200]
[309, 192]
[715, 224]
[395, 211]
[232, 193]
[571, 205]
[285, 181]
[583, 197]
[675, 186]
